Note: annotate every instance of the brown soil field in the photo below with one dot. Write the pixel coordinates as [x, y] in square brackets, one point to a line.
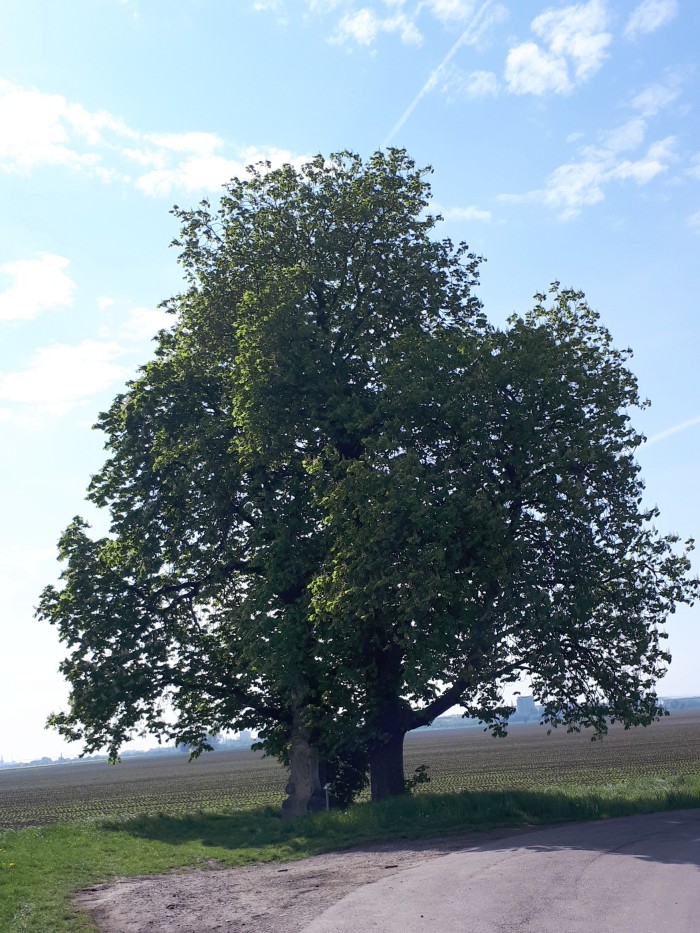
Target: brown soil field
[458, 759]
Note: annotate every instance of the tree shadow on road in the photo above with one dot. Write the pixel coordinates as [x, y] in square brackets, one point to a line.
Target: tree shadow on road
[671, 838]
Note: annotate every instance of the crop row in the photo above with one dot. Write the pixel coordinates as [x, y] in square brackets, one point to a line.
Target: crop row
[458, 760]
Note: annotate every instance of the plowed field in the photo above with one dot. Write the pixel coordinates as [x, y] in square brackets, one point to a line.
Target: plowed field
[458, 759]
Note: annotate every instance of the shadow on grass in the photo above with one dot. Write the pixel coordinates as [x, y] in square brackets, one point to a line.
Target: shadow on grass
[263, 834]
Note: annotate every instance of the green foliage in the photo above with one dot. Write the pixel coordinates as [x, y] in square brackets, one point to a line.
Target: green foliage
[339, 496]
[420, 776]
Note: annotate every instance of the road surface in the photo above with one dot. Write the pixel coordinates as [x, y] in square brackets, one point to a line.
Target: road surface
[632, 875]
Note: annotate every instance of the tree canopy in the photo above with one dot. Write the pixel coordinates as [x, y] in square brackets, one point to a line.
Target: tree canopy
[342, 502]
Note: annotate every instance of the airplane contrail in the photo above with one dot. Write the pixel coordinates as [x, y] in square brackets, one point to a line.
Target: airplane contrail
[436, 72]
[662, 435]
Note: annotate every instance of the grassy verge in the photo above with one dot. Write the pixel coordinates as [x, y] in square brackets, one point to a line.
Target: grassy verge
[40, 868]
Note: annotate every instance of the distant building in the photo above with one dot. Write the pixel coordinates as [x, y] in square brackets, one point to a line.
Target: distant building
[525, 710]
[676, 704]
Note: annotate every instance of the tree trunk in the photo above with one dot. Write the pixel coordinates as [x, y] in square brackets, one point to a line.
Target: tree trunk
[389, 722]
[304, 791]
[386, 768]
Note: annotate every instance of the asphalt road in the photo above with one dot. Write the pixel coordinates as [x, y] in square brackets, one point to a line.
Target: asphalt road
[637, 874]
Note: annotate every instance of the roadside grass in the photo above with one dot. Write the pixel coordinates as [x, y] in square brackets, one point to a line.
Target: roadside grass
[41, 868]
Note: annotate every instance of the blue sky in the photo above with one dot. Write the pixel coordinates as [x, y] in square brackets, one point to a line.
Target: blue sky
[565, 141]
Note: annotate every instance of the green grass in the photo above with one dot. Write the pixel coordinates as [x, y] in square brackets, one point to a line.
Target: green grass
[152, 815]
[40, 868]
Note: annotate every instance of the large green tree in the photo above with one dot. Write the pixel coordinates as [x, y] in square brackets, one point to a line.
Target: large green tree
[494, 530]
[342, 502]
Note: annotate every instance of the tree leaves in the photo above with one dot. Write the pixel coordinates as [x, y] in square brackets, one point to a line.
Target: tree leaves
[337, 490]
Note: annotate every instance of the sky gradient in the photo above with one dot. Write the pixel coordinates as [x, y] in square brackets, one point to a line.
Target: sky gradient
[565, 142]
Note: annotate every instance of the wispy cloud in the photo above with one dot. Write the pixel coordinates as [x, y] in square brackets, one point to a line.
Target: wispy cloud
[649, 16]
[364, 25]
[458, 13]
[327, 6]
[46, 129]
[473, 28]
[104, 302]
[194, 173]
[658, 96]
[450, 11]
[581, 183]
[143, 323]
[207, 170]
[40, 129]
[573, 44]
[462, 213]
[694, 222]
[59, 378]
[62, 377]
[669, 432]
[457, 84]
[36, 285]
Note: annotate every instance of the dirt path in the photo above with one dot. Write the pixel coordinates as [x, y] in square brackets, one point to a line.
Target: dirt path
[270, 898]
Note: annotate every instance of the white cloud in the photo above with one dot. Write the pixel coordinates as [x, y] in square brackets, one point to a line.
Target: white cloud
[38, 284]
[574, 42]
[694, 221]
[202, 144]
[61, 377]
[363, 26]
[91, 126]
[579, 184]
[574, 186]
[407, 30]
[577, 32]
[451, 10]
[325, 6]
[46, 129]
[456, 83]
[657, 96]
[656, 161]
[649, 16]
[34, 131]
[210, 172]
[629, 135]
[462, 213]
[654, 98]
[150, 157]
[130, 326]
[530, 70]
[144, 323]
[196, 174]
[252, 155]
